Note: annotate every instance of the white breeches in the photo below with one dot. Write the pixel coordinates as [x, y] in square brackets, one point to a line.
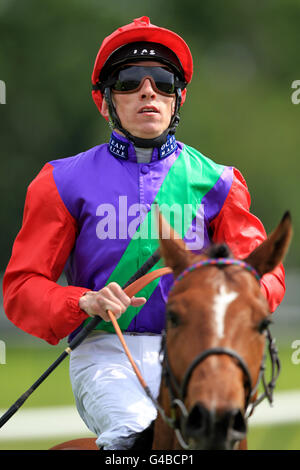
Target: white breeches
[108, 395]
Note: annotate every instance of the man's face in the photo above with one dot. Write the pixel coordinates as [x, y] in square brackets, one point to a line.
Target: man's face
[144, 113]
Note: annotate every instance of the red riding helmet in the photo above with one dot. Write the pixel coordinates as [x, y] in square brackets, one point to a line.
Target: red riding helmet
[141, 30]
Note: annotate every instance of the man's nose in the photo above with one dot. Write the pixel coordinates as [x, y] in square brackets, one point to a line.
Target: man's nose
[146, 89]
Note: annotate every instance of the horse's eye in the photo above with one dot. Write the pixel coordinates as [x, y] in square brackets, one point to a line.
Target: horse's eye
[173, 318]
[264, 324]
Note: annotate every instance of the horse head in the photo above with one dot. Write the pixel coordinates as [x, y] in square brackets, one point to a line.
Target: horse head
[217, 318]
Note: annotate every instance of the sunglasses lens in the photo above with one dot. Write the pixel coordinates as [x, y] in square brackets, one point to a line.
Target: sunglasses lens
[164, 80]
[126, 80]
[129, 79]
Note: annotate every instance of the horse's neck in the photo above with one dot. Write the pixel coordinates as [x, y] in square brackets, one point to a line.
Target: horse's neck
[163, 435]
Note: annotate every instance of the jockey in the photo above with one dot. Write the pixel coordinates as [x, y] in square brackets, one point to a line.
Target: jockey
[91, 216]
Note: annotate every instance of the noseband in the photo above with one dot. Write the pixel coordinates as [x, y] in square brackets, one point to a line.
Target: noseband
[178, 392]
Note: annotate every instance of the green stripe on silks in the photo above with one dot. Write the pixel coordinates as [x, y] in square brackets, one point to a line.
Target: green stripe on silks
[189, 179]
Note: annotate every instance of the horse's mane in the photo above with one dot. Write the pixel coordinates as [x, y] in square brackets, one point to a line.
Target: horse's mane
[219, 250]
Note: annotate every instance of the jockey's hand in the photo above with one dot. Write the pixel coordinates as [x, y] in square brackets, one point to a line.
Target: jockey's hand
[111, 297]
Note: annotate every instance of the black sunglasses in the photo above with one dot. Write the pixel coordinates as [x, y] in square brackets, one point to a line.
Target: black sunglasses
[131, 79]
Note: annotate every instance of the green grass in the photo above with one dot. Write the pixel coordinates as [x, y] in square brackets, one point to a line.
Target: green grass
[289, 378]
[37, 444]
[24, 366]
[279, 437]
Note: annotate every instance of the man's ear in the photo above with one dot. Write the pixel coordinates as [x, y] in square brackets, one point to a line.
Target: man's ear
[104, 109]
[183, 96]
[173, 106]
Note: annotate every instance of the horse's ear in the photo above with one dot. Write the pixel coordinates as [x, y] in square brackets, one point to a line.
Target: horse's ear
[273, 250]
[172, 248]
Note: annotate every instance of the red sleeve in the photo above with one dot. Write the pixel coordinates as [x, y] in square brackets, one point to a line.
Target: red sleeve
[32, 299]
[242, 232]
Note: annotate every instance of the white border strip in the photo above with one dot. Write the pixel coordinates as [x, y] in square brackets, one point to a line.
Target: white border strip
[48, 422]
[42, 423]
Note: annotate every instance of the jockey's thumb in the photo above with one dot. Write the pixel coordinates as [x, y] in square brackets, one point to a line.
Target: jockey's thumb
[137, 301]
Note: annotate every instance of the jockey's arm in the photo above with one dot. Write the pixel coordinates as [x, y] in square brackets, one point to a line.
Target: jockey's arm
[33, 300]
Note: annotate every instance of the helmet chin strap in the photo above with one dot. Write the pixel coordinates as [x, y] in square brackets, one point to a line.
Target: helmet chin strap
[115, 123]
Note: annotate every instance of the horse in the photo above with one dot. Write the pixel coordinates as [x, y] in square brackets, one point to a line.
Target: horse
[213, 346]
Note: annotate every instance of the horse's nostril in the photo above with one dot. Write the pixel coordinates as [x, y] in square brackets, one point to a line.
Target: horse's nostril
[238, 423]
[216, 430]
[231, 424]
[197, 421]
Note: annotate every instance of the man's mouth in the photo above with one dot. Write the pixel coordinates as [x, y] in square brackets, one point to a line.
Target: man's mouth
[148, 109]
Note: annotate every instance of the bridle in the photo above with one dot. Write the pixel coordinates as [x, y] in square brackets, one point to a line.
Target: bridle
[178, 392]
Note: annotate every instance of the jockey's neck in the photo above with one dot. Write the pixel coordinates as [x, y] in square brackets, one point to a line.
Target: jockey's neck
[143, 155]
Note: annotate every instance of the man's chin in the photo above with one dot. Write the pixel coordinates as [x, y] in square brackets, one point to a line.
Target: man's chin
[147, 134]
[144, 133]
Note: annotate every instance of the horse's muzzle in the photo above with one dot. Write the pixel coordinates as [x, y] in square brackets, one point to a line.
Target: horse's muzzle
[211, 430]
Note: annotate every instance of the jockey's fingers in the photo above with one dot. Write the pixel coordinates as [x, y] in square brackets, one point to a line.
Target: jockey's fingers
[123, 297]
[110, 297]
[94, 304]
[115, 292]
[115, 309]
[112, 303]
[102, 305]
